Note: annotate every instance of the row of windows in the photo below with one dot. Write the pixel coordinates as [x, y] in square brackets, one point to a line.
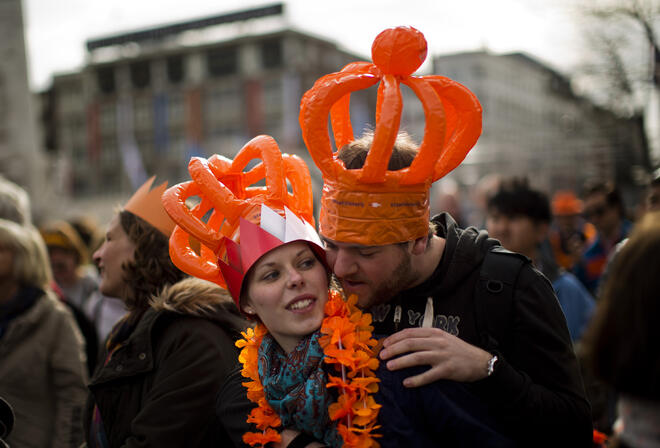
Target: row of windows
[222, 61]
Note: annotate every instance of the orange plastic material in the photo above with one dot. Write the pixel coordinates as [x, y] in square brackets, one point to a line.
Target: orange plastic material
[145, 204]
[228, 193]
[371, 205]
[565, 203]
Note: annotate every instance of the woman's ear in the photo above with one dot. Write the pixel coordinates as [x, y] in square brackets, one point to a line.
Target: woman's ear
[247, 309]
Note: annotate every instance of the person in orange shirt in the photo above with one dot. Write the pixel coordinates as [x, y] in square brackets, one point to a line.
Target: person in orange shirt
[570, 234]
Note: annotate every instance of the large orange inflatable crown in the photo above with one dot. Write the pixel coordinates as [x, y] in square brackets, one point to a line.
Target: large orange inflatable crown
[231, 204]
[371, 205]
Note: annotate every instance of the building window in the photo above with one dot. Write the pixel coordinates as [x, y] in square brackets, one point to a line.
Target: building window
[223, 108]
[175, 110]
[140, 74]
[143, 109]
[222, 61]
[174, 67]
[107, 118]
[105, 77]
[271, 53]
[4, 113]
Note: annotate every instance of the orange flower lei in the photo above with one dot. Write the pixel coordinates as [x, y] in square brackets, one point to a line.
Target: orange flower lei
[347, 343]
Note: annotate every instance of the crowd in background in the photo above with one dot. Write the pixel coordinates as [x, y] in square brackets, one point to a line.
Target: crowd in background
[602, 264]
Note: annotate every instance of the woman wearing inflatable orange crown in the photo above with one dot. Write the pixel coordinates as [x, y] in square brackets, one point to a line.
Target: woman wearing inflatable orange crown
[309, 360]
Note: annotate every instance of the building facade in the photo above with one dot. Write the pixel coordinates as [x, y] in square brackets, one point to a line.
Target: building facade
[20, 159]
[535, 126]
[150, 102]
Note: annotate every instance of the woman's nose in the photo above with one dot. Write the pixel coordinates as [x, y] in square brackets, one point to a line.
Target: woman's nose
[295, 278]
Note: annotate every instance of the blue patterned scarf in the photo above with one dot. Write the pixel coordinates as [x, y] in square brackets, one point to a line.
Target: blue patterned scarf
[294, 386]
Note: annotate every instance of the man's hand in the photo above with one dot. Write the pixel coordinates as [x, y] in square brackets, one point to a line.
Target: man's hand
[449, 357]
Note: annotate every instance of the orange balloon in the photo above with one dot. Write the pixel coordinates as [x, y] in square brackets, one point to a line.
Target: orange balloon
[399, 51]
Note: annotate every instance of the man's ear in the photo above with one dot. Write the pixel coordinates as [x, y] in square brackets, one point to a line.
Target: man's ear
[419, 245]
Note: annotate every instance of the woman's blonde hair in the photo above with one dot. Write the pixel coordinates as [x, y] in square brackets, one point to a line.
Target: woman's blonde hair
[31, 266]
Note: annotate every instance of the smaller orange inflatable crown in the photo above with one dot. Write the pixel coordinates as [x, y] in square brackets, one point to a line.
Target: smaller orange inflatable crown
[371, 205]
[231, 204]
[565, 203]
[146, 204]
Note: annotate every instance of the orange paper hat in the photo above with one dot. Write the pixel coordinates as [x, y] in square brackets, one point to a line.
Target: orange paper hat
[371, 205]
[565, 203]
[265, 217]
[146, 204]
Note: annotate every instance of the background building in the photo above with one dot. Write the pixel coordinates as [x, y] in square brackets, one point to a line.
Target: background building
[535, 126]
[20, 160]
[146, 101]
[149, 100]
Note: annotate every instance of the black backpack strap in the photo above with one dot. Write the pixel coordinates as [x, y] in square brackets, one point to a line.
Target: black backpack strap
[494, 295]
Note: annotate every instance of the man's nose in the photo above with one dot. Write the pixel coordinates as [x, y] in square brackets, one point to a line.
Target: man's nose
[344, 264]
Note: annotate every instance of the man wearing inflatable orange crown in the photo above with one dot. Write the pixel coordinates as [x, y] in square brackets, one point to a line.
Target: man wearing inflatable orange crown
[455, 305]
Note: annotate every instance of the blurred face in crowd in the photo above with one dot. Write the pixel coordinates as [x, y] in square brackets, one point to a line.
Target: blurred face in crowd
[602, 215]
[116, 250]
[516, 233]
[64, 263]
[567, 224]
[653, 199]
[287, 289]
[374, 273]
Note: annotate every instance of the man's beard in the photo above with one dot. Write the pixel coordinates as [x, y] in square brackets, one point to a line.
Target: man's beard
[399, 280]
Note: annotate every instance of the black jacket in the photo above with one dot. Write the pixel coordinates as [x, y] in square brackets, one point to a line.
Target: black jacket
[159, 389]
[536, 391]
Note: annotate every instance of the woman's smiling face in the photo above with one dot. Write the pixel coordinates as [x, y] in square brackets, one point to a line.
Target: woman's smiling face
[287, 288]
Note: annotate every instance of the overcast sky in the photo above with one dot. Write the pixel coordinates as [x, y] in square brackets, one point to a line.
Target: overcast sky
[56, 30]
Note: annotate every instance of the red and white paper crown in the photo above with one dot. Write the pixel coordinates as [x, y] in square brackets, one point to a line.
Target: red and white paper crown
[272, 231]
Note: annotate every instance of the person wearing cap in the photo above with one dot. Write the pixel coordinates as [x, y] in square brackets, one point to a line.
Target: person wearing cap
[421, 280]
[165, 362]
[75, 286]
[570, 234]
[68, 256]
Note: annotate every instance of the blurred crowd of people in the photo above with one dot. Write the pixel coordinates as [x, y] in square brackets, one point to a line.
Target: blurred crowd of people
[56, 323]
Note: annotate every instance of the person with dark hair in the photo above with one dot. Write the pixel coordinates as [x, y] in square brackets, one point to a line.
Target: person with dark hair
[42, 358]
[604, 208]
[431, 282]
[165, 362]
[621, 343]
[519, 217]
